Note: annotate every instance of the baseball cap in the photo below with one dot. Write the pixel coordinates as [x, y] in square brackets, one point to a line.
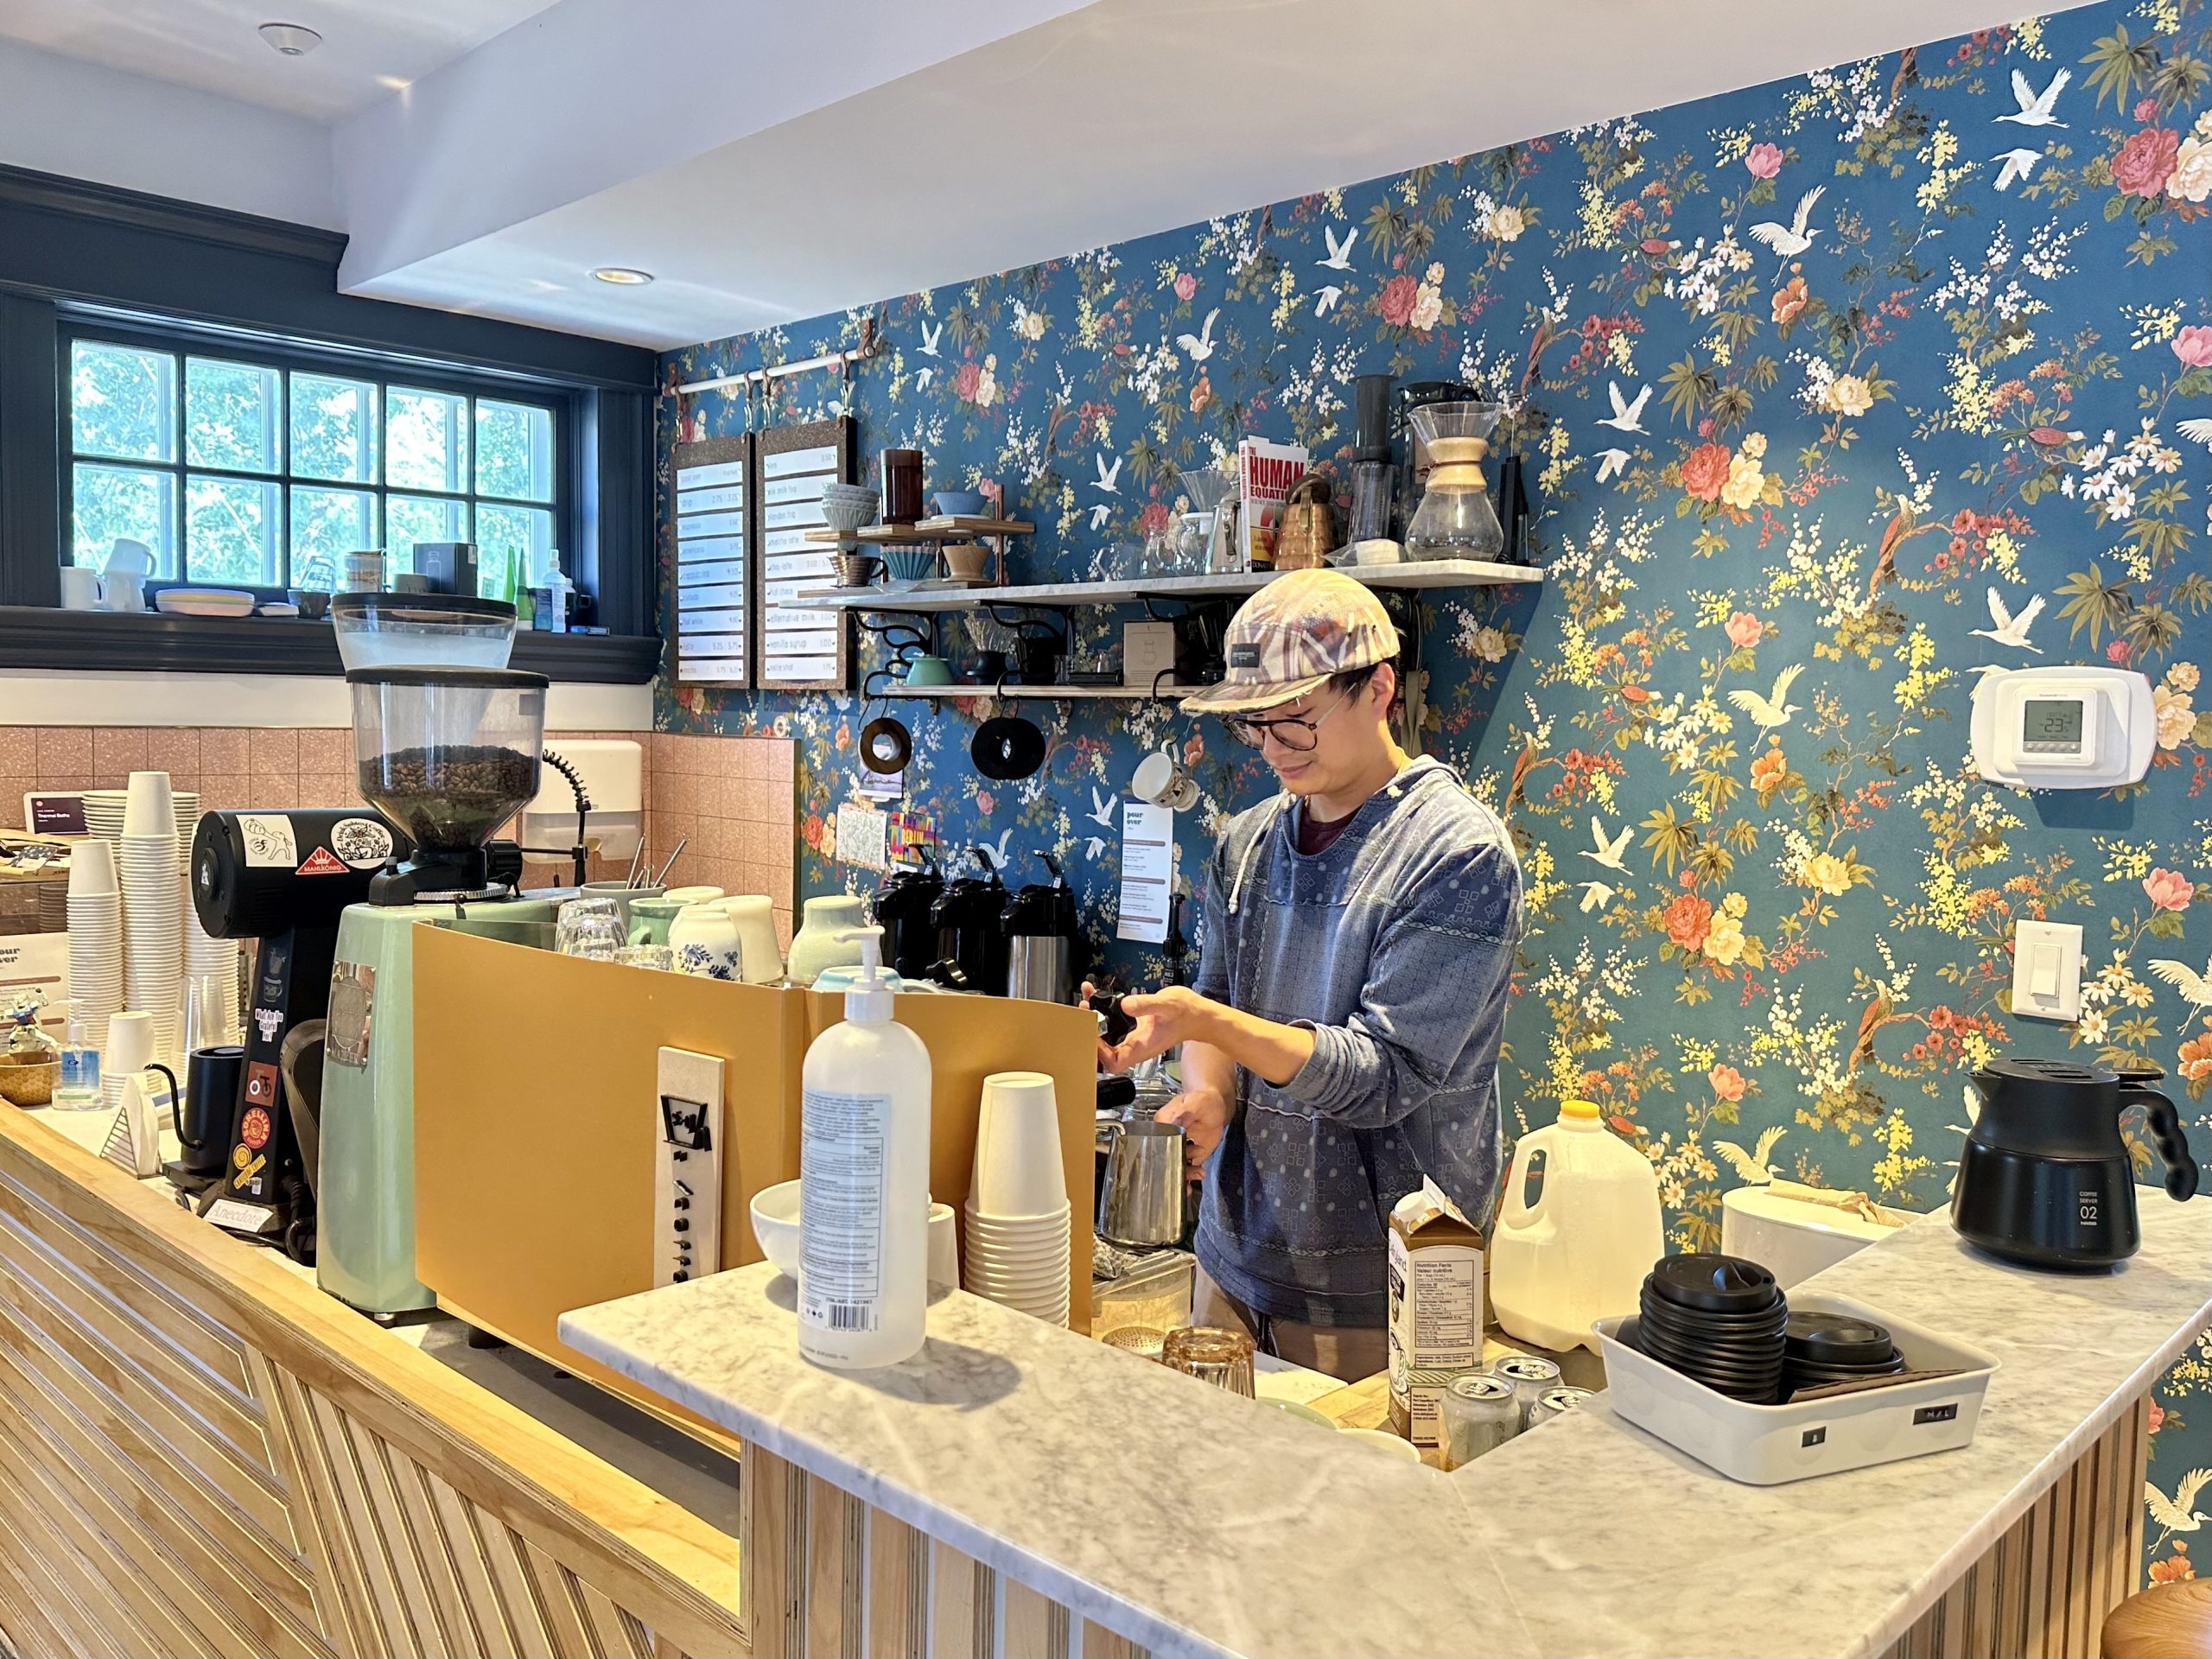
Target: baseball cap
[1287, 640]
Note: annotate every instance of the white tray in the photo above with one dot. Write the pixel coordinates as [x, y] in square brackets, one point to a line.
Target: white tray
[1766, 1445]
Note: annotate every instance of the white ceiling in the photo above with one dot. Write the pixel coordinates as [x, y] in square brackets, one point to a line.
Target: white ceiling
[769, 160]
[371, 48]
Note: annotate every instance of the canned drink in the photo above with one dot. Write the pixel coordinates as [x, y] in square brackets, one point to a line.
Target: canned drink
[1529, 1377]
[1556, 1403]
[1478, 1413]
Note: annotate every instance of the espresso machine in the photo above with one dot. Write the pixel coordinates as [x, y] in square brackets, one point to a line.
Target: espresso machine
[283, 877]
[449, 754]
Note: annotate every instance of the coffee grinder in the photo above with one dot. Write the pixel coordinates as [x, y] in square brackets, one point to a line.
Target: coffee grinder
[281, 876]
[449, 754]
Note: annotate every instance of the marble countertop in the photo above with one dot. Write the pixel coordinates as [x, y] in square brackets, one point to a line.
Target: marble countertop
[1195, 1523]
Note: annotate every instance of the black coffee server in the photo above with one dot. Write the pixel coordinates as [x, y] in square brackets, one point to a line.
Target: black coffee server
[971, 939]
[2044, 1179]
[903, 904]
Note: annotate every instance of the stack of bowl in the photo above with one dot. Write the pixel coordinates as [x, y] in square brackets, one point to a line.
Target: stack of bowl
[1019, 1223]
[1826, 1348]
[1718, 1320]
[848, 507]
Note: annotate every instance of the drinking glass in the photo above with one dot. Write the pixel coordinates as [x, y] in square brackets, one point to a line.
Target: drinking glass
[590, 925]
[647, 955]
[1221, 1358]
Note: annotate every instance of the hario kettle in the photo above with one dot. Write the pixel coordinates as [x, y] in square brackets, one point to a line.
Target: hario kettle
[2044, 1179]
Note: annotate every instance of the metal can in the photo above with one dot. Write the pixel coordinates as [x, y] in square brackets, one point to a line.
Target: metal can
[1529, 1376]
[1556, 1403]
[1478, 1414]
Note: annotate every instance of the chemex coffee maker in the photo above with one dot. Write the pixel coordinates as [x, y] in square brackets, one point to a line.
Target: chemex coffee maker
[2045, 1177]
[282, 877]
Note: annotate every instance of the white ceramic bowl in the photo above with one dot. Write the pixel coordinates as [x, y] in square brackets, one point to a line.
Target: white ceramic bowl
[1383, 1441]
[775, 1224]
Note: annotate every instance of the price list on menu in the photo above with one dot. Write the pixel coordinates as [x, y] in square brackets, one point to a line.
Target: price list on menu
[800, 647]
[714, 596]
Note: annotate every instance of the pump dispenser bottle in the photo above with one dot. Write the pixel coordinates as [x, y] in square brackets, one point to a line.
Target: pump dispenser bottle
[864, 1180]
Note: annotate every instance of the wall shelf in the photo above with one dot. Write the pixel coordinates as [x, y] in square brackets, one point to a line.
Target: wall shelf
[929, 596]
[961, 529]
[1033, 693]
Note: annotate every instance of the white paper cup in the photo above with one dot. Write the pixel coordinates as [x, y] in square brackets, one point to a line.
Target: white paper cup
[944, 1246]
[150, 805]
[1018, 1171]
[131, 1041]
[92, 870]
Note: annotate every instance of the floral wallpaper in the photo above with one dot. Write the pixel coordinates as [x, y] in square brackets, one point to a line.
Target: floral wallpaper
[1833, 393]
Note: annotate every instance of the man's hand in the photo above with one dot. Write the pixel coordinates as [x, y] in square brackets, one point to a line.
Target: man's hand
[1204, 1113]
[1165, 1019]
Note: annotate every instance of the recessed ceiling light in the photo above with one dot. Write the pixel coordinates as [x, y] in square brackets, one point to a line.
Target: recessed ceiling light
[623, 275]
[293, 40]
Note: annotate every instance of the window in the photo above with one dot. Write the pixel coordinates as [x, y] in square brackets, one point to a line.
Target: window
[265, 473]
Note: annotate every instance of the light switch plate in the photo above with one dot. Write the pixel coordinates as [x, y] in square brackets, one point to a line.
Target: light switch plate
[2047, 970]
[687, 1123]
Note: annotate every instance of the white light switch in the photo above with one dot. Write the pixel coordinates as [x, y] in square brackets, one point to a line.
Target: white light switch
[2047, 970]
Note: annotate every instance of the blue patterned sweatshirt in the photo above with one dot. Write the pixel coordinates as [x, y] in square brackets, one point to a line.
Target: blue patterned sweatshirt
[1394, 945]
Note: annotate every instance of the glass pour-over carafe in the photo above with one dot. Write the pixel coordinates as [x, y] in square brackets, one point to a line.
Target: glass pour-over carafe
[1455, 520]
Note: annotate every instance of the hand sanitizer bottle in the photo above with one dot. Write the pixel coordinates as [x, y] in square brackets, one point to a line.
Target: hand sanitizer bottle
[864, 1180]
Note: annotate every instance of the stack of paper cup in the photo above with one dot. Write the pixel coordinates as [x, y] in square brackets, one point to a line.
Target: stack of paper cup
[129, 1050]
[153, 910]
[95, 921]
[1018, 1219]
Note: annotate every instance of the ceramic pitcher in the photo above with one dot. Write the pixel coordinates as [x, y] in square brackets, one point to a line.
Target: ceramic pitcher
[761, 953]
[815, 945]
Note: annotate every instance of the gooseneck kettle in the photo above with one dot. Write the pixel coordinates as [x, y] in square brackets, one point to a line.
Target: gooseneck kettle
[2045, 1177]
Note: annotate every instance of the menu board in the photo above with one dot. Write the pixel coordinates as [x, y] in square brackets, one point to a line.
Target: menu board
[801, 649]
[713, 562]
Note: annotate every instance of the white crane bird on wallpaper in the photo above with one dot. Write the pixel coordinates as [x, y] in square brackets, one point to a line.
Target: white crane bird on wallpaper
[1596, 895]
[2035, 109]
[2016, 164]
[1339, 252]
[1199, 347]
[1626, 416]
[1109, 477]
[1770, 713]
[2195, 988]
[2011, 630]
[1105, 809]
[1791, 239]
[930, 339]
[2179, 1513]
[1609, 462]
[1609, 852]
[1326, 301]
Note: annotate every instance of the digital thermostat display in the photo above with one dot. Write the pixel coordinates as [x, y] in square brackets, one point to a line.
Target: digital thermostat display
[2051, 725]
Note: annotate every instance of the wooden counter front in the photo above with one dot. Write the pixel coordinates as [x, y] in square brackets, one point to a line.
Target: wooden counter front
[199, 1453]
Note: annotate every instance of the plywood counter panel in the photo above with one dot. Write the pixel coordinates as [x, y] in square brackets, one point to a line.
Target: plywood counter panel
[201, 1454]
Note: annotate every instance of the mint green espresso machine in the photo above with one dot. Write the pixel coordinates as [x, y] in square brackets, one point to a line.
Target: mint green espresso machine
[449, 754]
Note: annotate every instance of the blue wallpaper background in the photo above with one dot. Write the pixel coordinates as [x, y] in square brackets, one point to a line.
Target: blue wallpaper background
[1902, 350]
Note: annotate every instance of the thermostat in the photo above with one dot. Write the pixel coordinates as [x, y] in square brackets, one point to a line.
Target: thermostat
[2086, 727]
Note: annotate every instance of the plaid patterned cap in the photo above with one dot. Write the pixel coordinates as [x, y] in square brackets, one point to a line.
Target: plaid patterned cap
[1287, 639]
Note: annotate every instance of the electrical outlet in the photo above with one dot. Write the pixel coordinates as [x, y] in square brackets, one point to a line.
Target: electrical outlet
[2047, 970]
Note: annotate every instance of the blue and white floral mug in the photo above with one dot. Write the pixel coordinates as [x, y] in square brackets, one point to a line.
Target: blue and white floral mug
[705, 940]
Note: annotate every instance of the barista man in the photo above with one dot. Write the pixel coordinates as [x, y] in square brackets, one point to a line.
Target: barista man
[1341, 1041]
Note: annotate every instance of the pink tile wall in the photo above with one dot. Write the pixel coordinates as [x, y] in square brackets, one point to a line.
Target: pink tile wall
[733, 797]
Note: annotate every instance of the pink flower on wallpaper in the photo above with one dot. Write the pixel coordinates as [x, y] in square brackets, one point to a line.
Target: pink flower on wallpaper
[1743, 630]
[2146, 108]
[1186, 285]
[1705, 469]
[1397, 300]
[2169, 890]
[1153, 519]
[1728, 1082]
[1765, 160]
[2117, 651]
[965, 381]
[2193, 345]
[2145, 161]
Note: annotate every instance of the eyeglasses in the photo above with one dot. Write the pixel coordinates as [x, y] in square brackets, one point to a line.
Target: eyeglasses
[1295, 733]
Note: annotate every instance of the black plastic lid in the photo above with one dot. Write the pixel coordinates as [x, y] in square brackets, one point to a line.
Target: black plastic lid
[1717, 1284]
[478, 679]
[1839, 1339]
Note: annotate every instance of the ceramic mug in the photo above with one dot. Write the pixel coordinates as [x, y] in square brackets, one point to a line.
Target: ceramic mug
[760, 954]
[651, 918]
[81, 588]
[694, 895]
[1163, 780]
[705, 941]
[929, 670]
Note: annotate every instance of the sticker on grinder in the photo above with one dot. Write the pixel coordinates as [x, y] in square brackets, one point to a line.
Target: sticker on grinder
[321, 861]
[364, 843]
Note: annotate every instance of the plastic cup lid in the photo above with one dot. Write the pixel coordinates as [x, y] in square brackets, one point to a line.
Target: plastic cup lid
[1718, 1284]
